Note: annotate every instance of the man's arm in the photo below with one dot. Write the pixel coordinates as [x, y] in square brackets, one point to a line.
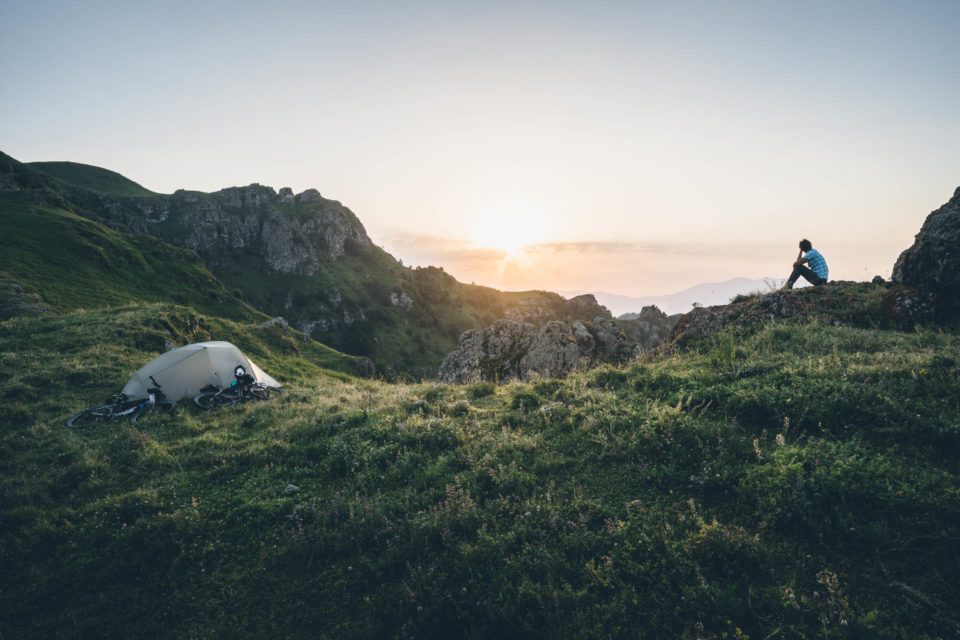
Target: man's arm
[800, 260]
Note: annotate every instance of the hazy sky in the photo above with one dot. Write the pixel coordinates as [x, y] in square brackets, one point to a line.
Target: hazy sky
[637, 147]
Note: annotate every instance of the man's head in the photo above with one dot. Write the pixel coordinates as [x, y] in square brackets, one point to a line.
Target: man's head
[805, 245]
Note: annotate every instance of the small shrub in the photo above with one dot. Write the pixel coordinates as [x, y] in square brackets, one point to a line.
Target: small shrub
[609, 379]
[481, 390]
[547, 388]
[525, 401]
[421, 407]
[461, 408]
[435, 393]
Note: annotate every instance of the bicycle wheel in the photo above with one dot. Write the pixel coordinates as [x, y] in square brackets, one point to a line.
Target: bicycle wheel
[211, 401]
[161, 406]
[91, 416]
[258, 393]
[166, 406]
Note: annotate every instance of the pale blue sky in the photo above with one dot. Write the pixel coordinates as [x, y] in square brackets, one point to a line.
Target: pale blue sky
[723, 130]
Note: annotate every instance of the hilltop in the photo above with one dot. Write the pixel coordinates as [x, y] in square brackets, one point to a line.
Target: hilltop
[92, 178]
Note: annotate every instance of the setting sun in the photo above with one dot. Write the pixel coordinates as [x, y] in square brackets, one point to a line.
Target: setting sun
[509, 225]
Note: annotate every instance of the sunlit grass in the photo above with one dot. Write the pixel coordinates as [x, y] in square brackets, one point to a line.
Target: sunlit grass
[789, 481]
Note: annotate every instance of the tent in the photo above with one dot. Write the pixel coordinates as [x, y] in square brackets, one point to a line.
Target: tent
[183, 372]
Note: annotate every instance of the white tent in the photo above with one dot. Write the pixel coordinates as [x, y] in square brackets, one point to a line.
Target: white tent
[183, 372]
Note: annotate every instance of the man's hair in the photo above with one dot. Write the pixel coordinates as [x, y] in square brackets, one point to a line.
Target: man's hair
[805, 245]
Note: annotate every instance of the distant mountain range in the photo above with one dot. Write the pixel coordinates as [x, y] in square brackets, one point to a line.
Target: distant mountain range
[706, 294]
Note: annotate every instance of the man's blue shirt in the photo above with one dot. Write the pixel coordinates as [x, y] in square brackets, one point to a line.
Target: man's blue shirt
[817, 264]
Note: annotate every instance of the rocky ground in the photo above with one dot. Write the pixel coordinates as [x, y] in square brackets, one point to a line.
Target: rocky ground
[509, 350]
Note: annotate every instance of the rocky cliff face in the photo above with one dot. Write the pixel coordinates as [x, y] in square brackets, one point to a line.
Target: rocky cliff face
[932, 264]
[290, 234]
[510, 350]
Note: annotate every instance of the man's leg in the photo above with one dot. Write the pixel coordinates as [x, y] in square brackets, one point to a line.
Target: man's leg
[806, 272]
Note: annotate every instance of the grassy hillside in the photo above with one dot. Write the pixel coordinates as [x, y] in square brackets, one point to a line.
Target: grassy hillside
[796, 479]
[75, 263]
[104, 181]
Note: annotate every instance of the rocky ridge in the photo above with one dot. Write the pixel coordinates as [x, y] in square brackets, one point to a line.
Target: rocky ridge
[290, 234]
[832, 302]
[509, 350]
[649, 327]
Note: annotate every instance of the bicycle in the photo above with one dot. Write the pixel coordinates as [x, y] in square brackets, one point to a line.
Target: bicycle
[214, 398]
[244, 388]
[123, 406]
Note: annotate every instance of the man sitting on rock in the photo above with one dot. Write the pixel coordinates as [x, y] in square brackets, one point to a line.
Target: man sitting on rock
[816, 273]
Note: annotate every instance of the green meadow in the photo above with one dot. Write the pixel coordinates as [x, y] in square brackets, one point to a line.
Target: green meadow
[793, 479]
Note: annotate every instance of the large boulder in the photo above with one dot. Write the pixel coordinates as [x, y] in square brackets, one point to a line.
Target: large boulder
[493, 353]
[932, 264]
[508, 350]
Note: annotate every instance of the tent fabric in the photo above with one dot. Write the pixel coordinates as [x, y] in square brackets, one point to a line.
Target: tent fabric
[183, 372]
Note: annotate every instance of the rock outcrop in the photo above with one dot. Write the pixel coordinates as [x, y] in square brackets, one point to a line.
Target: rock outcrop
[837, 302]
[539, 307]
[509, 350]
[907, 303]
[16, 302]
[932, 264]
[292, 234]
[649, 327]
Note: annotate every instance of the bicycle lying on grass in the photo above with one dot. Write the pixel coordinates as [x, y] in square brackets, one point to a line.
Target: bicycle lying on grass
[122, 406]
[244, 388]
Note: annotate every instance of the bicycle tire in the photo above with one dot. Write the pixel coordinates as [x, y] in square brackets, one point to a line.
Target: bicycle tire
[161, 406]
[210, 401]
[258, 393]
[91, 416]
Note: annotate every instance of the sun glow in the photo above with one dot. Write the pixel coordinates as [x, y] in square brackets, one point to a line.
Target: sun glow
[509, 225]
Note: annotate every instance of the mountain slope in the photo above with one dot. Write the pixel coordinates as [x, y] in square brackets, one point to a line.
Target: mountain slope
[309, 259]
[73, 262]
[89, 177]
[53, 261]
